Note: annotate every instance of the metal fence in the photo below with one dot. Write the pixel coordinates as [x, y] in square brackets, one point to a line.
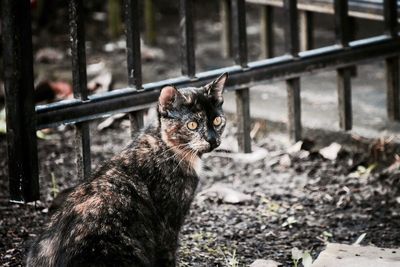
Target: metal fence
[23, 118]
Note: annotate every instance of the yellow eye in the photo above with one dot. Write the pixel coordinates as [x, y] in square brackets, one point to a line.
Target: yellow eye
[192, 125]
[217, 121]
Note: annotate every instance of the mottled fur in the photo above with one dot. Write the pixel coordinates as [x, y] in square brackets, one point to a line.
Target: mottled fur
[130, 212]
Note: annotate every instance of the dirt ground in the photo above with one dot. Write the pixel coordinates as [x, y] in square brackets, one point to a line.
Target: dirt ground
[292, 198]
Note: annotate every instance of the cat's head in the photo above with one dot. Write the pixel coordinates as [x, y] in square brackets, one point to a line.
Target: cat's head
[192, 118]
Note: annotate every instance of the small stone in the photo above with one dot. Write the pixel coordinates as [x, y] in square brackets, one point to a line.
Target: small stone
[265, 263]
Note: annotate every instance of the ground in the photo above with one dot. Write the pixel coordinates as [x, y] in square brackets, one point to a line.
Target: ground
[298, 199]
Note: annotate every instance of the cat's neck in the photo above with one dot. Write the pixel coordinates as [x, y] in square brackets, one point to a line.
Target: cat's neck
[151, 142]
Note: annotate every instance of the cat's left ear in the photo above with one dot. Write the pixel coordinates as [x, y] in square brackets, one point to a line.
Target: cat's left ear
[216, 87]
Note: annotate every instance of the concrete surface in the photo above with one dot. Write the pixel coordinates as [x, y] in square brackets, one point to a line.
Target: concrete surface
[357, 256]
[319, 102]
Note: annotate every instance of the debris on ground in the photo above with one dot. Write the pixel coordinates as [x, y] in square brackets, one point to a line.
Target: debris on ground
[330, 152]
[243, 211]
[224, 193]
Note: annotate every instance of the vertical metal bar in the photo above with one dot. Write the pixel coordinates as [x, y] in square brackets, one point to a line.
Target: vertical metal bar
[352, 26]
[291, 27]
[150, 22]
[390, 17]
[342, 22]
[20, 106]
[225, 16]
[392, 63]
[294, 109]
[132, 22]
[78, 49]
[239, 49]
[243, 111]
[239, 37]
[344, 98]
[267, 31]
[82, 146]
[293, 85]
[306, 30]
[343, 35]
[187, 38]
[393, 91]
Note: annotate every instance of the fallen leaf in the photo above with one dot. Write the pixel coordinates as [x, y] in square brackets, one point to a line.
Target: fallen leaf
[359, 239]
[257, 155]
[3, 126]
[49, 55]
[297, 254]
[330, 152]
[295, 148]
[226, 194]
[109, 121]
[306, 259]
[285, 161]
[101, 83]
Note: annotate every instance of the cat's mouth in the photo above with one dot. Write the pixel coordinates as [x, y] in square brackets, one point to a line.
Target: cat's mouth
[204, 148]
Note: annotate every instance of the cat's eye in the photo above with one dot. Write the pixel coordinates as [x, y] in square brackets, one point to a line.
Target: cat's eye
[192, 125]
[217, 121]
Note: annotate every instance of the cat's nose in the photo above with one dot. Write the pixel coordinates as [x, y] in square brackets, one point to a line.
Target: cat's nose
[212, 140]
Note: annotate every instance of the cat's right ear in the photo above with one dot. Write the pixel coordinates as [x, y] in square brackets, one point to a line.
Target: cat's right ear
[169, 94]
[216, 88]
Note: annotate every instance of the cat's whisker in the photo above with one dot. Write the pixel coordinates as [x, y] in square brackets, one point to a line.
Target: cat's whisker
[174, 147]
[174, 154]
[183, 157]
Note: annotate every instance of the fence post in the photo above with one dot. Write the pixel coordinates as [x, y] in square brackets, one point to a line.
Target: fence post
[186, 14]
[343, 34]
[392, 63]
[293, 84]
[267, 31]
[132, 31]
[150, 31]
[79, 79]
[239, 46]
[306, 30]
[244, 120]
[226, 38]
[20, 106]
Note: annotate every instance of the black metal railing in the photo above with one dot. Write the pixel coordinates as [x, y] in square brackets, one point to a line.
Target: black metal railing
[23, 119]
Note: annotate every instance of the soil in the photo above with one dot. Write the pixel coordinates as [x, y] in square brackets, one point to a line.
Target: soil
[298, 199]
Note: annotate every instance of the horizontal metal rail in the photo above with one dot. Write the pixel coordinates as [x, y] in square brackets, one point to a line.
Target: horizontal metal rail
[358, 9]
[278, 68]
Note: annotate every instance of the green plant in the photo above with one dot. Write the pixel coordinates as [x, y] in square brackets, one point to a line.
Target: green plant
[289, 222]
[304, 256]
[54, 186]
[230, 260]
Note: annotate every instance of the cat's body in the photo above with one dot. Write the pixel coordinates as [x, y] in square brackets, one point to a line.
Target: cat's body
[131, 211]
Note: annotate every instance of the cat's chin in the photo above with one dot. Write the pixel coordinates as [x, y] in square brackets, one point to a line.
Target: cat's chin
[202, 152]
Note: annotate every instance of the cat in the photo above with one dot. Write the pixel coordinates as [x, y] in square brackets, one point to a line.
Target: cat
[130, 212]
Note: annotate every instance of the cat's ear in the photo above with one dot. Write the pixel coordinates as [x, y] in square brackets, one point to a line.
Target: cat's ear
[216, 87]
[168, 97]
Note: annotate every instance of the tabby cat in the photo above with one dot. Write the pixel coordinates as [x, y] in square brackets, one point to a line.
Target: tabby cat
[130, 212]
